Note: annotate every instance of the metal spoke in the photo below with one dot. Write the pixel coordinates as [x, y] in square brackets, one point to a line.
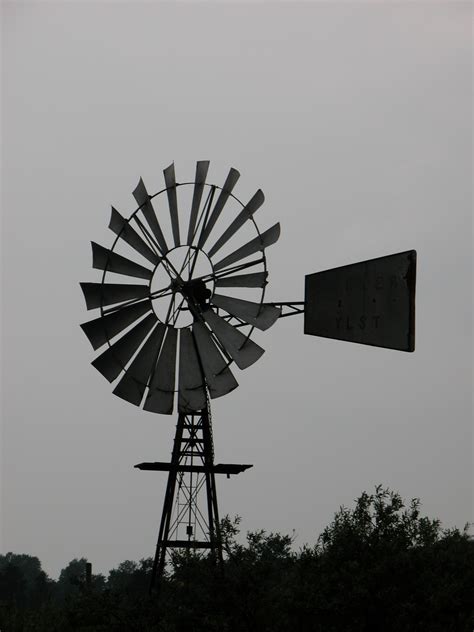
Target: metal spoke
[205, 211]
[187, 258]
[227, 272]
[177, 311]
[166, 266]
[193, 264]
[203, 215]
[148, 236]
[111, 310]
[153, 295]
[163, 257]
[170, 308]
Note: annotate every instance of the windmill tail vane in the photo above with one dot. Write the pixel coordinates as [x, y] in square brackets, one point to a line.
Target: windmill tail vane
[182, 289]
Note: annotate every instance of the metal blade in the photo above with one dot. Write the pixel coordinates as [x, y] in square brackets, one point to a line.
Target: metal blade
[201, 172]
[143, 199]
[161, 393]
[219, 377]
[105, 259]
[254, 279]
[104, 328]
[113, 360]
[370, 302]
[240, 348]
[133, 384]
[245, 214]
[229, 184]
[170, 181]
[100, 294]
[122, 228]
[192, 394]
[261, 242]
[259, 315]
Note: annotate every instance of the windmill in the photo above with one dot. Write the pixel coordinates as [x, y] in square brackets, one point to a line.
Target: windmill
[182, 290]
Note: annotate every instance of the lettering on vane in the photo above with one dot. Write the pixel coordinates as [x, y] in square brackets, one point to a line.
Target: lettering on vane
[349, 324]
[378, 283]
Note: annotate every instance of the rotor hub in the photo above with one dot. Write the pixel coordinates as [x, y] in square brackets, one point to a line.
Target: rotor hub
[196, 291]
[181, 281]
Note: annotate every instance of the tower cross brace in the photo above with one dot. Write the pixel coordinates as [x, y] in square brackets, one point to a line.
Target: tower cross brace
[190, 516]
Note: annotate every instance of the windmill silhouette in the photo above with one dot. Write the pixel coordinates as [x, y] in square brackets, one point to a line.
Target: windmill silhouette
[175, 338]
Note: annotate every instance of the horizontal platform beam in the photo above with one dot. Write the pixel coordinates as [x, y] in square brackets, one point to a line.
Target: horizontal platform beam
[187, 544]
[220, 468]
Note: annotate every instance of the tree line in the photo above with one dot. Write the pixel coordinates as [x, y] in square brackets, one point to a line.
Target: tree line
[380, 566]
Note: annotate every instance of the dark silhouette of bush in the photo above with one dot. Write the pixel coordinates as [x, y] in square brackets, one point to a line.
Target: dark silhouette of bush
[379, 567]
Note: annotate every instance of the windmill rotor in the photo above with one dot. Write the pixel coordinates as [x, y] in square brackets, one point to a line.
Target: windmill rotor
[178, 302]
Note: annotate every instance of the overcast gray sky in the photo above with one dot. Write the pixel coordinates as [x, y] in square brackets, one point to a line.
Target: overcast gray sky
[355, 120]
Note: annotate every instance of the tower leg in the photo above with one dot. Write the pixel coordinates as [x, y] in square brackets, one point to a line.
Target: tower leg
[212, 508]
[160, 554]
